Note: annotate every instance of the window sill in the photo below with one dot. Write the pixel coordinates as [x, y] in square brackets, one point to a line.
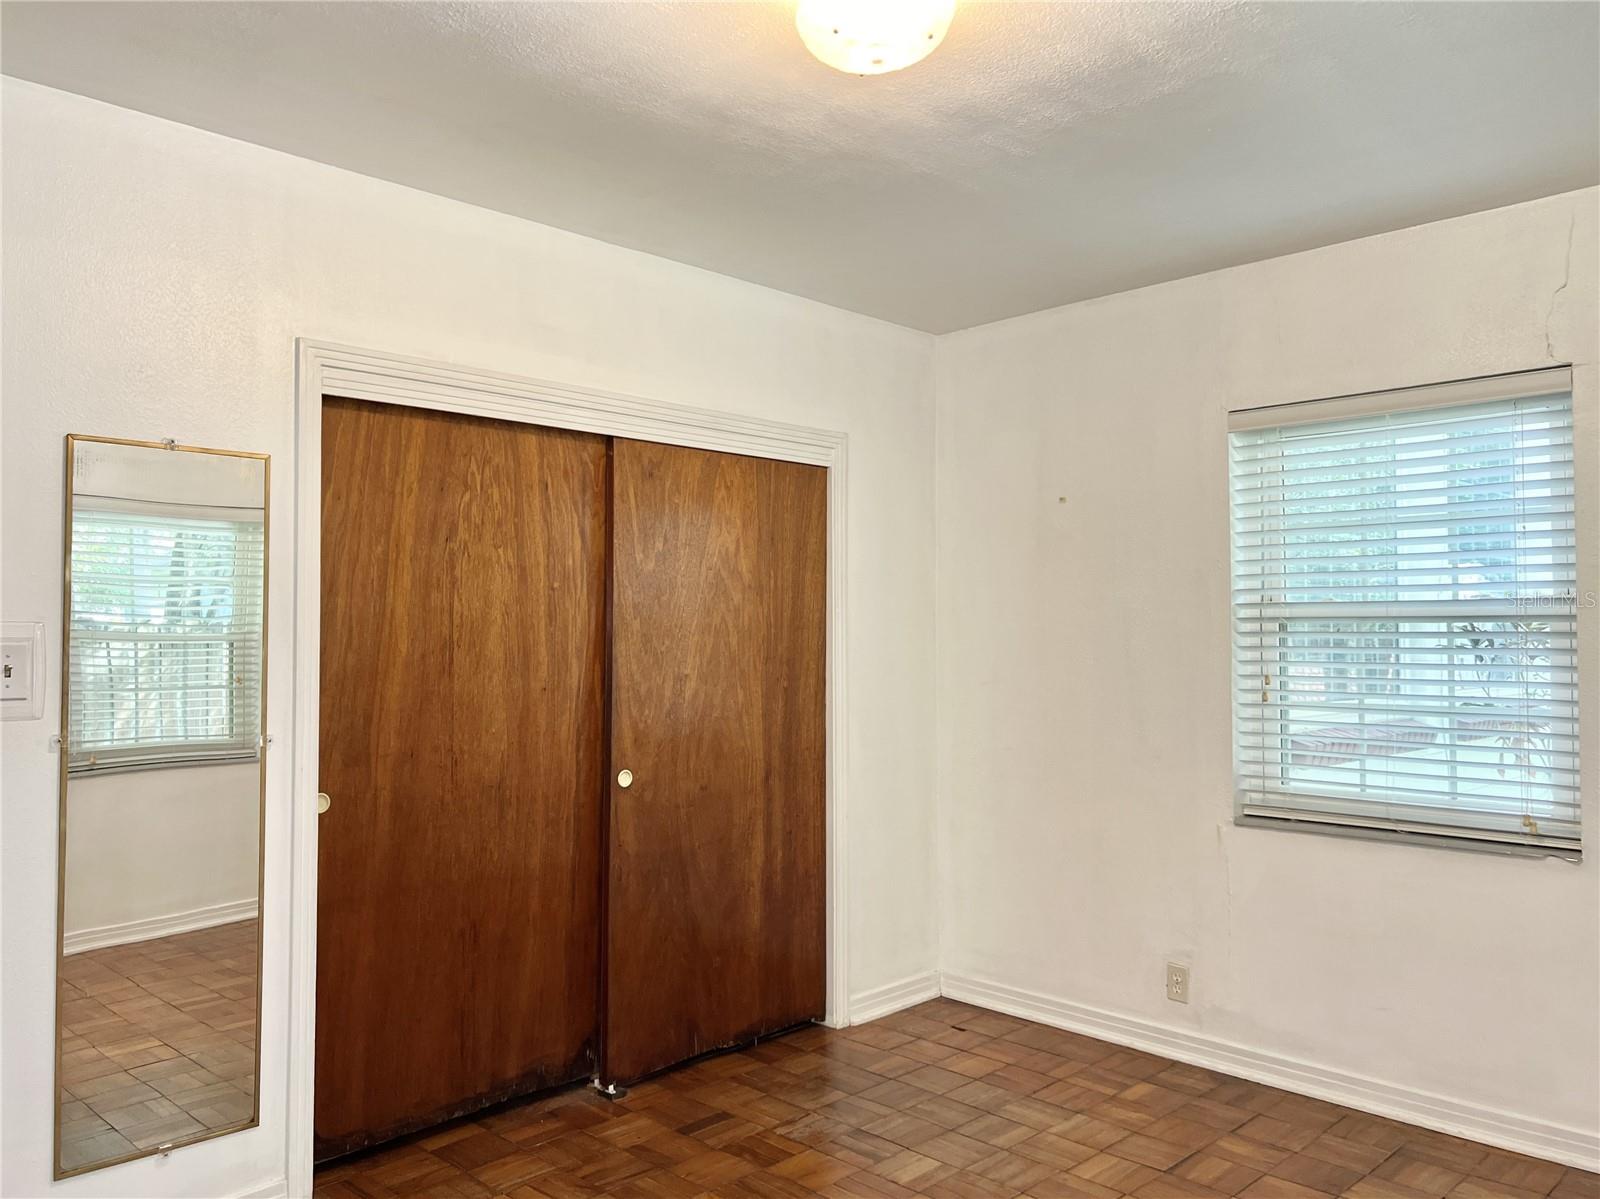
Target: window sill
[115, 767]
[1443, 839]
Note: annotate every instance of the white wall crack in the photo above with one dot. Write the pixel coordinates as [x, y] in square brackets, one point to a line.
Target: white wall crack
[1566, 278]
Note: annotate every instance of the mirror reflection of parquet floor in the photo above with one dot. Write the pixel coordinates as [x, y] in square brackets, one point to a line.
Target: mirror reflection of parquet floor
[944, 1100]
[158, 1041]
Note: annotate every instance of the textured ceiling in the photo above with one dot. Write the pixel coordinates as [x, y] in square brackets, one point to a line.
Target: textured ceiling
[1045, 153]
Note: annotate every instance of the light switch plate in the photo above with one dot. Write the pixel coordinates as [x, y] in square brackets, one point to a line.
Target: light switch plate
[22, 672]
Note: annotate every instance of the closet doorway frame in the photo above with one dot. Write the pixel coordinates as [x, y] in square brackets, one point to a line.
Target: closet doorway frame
[328, 368]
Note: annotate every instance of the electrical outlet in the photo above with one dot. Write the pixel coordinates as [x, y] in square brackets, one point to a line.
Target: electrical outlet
[1177, 983]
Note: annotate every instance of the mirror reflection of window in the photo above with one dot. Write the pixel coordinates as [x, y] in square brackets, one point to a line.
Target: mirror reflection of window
[166, 636]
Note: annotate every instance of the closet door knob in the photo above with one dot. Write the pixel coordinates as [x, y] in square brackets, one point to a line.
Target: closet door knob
[624, 779]
[323, 802]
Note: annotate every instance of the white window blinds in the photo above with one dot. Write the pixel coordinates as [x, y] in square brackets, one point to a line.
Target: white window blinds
[1404, 601]
[166, 624]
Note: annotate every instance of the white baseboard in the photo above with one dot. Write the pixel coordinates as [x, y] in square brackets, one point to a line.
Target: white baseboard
[157, 926]
[1521, 1134]
[278, 1188]
[893, 997]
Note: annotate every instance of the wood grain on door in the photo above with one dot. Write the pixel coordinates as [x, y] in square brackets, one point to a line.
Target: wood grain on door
[462, 705]
[716, 915]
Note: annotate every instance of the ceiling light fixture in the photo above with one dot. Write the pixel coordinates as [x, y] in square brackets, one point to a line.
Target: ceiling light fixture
[871, 37]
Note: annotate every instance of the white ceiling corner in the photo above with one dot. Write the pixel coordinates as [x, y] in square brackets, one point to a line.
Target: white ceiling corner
[1047, 152]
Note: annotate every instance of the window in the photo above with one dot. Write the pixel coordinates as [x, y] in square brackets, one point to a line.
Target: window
[166, 638]
[1405, 609]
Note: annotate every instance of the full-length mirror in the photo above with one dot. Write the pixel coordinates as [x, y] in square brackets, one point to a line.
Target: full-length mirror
[163, 688]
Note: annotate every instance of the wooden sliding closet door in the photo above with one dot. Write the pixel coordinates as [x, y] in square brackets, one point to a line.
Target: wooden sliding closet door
[716, 905]
[462, 729]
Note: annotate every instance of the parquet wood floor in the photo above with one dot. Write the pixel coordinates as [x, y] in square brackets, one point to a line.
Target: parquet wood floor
[943, 1100]
[158, 1041]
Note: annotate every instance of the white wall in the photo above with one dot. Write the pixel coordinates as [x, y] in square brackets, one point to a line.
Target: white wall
[150, 849]
[1083, 701]
[154, 280]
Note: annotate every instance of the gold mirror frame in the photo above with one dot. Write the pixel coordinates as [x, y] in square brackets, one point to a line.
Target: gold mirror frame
[254, 1120]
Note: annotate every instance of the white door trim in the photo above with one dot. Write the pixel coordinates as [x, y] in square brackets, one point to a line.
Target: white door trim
[323, 368]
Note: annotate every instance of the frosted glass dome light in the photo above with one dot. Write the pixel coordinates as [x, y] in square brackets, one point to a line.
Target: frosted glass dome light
[871, 37]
